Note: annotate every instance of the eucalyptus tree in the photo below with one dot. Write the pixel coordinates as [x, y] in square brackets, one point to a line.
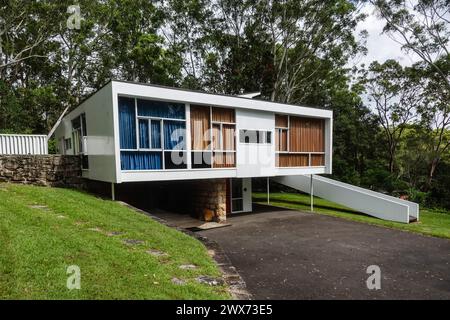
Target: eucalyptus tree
[396, 97]
[186, 29]
[423, 28]
[305, 35]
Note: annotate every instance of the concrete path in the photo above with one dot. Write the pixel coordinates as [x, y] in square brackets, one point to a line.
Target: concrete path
[283, 254]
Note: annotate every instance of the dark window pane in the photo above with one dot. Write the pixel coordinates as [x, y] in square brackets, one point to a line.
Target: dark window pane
[160, 109]
[201, 160]
[68, 143]
[156, 134]
[76, 123]
[127, 123]
[236, 188]
[144, 141]
[134, 160]
[237, 205]
[83, 122]
[175, 159]
[84, 162]
[174, 132]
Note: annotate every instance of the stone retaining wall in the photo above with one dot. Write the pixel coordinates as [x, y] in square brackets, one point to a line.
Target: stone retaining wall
[42, 170]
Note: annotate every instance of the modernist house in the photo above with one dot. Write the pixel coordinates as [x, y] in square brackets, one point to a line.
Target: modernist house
[211, 144]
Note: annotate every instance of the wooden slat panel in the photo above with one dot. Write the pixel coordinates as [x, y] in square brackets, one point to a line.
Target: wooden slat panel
[281, 140]
[223, 115]
[200, 125]
[317, 160]
[292, 160]
[281, 121]
[216, 137]
[306, 135]
[228, 137]
[224, 160]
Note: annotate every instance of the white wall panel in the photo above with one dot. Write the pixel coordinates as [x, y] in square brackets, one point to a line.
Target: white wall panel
[254, 159]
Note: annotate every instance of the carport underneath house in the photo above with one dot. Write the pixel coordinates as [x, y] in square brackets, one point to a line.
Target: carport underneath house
[205, 199]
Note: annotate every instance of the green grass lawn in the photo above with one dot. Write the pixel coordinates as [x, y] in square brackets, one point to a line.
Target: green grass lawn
[432, 222]
[67, 227]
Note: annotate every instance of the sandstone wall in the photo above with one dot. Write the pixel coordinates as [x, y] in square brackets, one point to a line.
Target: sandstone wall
[42, 170]
[209, 199]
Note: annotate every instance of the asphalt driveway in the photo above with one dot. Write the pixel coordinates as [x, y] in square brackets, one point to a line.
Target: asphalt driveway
[284, 254]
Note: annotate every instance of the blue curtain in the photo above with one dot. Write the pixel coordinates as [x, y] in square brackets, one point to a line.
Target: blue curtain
[127, 123]
[156, 134]
[174, 132]
[144, 141]
[160, 109]
[133, 160]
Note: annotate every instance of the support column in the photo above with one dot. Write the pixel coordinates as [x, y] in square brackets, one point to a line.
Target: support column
[113, 192]
[311, 193]
[268, 191]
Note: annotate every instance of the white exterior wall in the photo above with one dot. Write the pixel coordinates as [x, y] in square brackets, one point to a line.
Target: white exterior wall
[255, 159]
[100, 130]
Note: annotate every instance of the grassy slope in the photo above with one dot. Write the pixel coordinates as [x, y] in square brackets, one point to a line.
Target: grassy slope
[37, 245]
[434, 223]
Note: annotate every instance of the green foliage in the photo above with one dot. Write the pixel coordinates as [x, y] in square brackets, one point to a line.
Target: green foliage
[418, 196]
[52, 146]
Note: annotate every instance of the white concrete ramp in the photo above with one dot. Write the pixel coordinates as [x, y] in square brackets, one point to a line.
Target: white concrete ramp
[366, 201]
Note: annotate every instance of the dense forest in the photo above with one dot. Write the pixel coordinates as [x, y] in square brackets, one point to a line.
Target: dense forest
[391, 122]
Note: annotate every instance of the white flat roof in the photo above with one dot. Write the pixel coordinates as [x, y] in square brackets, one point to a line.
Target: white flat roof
[202, 98]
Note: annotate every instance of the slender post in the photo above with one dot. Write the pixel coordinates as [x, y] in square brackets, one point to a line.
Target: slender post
[311, 193]
[268, 191]
[113, 192]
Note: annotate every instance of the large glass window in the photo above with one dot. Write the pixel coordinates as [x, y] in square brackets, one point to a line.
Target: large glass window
[159, 142]
[127, 123]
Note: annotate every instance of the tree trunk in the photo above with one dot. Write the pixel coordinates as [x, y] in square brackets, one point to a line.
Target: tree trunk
[431, 171]
[391, 159]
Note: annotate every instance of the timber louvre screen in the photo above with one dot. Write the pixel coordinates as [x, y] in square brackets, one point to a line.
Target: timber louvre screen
[300, 141]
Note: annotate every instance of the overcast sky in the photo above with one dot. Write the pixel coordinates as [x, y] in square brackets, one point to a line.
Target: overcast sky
[380, 47]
